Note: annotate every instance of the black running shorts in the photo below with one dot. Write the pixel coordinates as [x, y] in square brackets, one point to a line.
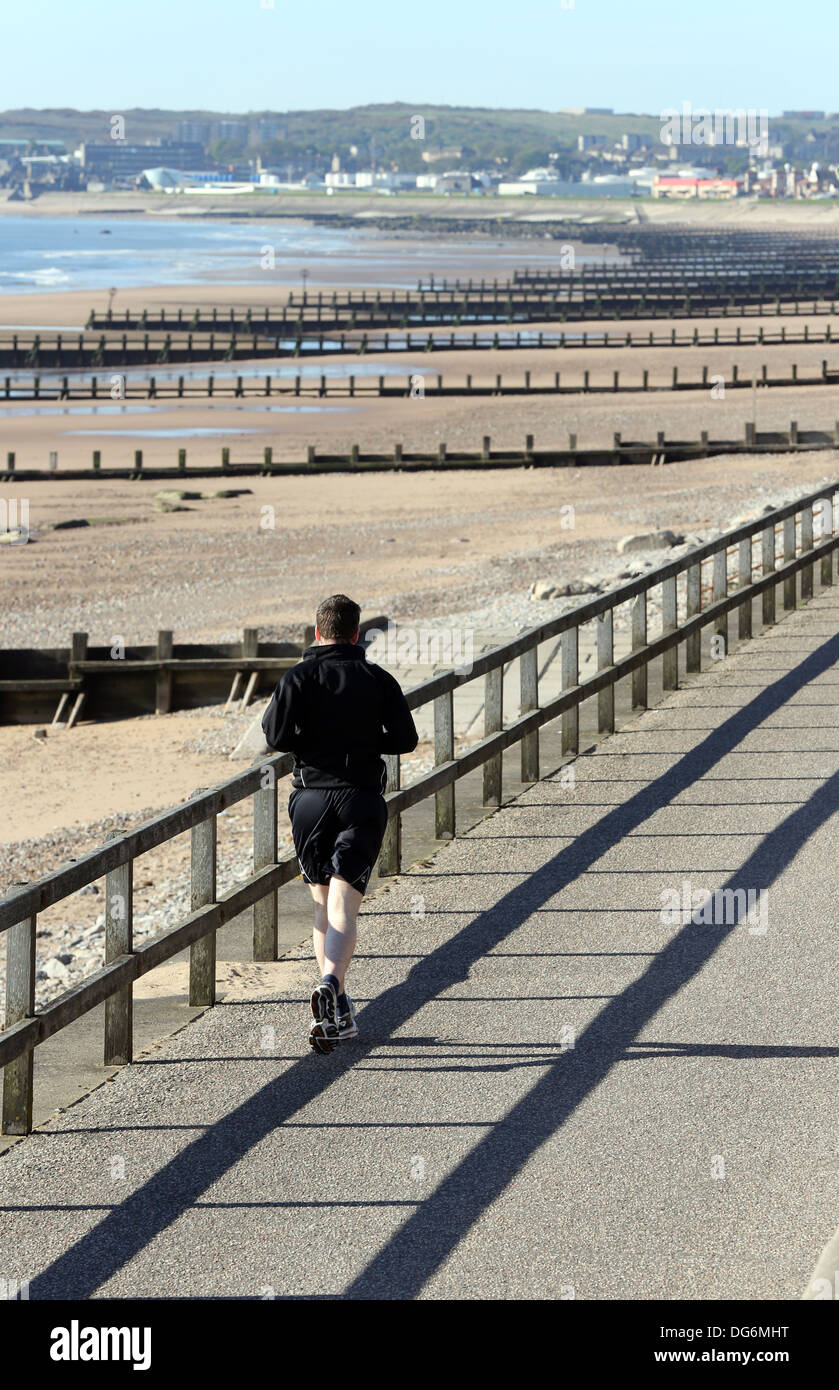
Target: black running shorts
[337, 830]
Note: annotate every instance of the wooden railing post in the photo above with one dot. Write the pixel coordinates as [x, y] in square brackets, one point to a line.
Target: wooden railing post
[390, 857]
[20, 1004]
[693, 645]
[807, 544]
[444, 798]
[529, 700]
[639, 640]
[744, 579]
[720, 591]
[768, 567]
[119, 941]
[827, 532]
[670, 659]
[570, 678]
[202, 953]
[265, 913]
[789, 554]
[493, 722]
[605, 658]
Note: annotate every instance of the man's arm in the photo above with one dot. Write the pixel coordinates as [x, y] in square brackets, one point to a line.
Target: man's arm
[400, 735]
[278, 722]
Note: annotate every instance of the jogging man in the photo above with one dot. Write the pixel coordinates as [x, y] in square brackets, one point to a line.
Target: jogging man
[337, 713]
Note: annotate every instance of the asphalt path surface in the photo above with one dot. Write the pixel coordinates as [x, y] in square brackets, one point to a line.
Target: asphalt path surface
[568, 1082]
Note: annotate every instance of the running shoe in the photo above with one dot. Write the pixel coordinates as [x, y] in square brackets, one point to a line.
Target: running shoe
[323, 1033]
[319, 1040]
[347, 1026]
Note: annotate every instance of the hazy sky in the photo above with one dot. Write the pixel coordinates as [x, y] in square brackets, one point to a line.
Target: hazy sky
[240, 55]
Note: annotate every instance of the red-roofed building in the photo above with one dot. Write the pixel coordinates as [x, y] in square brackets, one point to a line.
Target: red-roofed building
[675, 186]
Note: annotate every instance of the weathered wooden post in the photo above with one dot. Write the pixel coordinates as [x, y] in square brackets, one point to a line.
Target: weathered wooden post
[390, 857]
[605, 658]
[807, 544]
[827, 532]
[20, 1005]
[720, 591]
[182, 460]
[639, 640]
[789, 554]
[163, 691]
[119, 930]
[202, 953]
[444, 798]
[493, 722]
[744, 579]
[265, 915]
[485, 448]
[78, 652]
[571, 678]
[693, 644]
[669, 617]
[768, 567]
[529, 700]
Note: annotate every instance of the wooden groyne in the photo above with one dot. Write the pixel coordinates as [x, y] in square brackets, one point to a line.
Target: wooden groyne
[425, 383]
[563, 306]
[622, 451]
[64, 352]
[61, 685]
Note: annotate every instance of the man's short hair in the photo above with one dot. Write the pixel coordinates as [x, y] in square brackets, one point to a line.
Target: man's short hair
[337, 618]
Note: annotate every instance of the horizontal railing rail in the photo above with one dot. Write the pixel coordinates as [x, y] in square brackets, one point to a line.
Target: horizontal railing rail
[681, 625]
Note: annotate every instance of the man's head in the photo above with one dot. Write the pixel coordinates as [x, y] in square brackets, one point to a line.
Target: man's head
[337, 619]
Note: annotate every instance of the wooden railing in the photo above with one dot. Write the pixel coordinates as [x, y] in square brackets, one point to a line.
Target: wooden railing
[682, 624]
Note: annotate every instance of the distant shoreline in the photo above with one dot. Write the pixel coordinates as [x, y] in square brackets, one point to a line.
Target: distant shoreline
[506, 216]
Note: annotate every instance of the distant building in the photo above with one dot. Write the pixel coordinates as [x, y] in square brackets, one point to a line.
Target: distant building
[591, 142]
[587, 111]
[167, 180]
[192, 132]
[237, 131]
[632, 142]
[804, 115]
[680, 186]
[117, 158]
[455, 181]
[543, 183]
[263, 131]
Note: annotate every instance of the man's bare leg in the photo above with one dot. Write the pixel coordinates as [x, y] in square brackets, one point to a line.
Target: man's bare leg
[342, 906]
[320, 894]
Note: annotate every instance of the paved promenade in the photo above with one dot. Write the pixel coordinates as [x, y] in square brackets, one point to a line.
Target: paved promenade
[556, 1092]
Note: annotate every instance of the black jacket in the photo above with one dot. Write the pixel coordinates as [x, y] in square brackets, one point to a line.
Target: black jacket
[337, 713]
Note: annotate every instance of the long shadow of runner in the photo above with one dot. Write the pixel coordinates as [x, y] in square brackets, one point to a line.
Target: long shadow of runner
[427, 1238]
